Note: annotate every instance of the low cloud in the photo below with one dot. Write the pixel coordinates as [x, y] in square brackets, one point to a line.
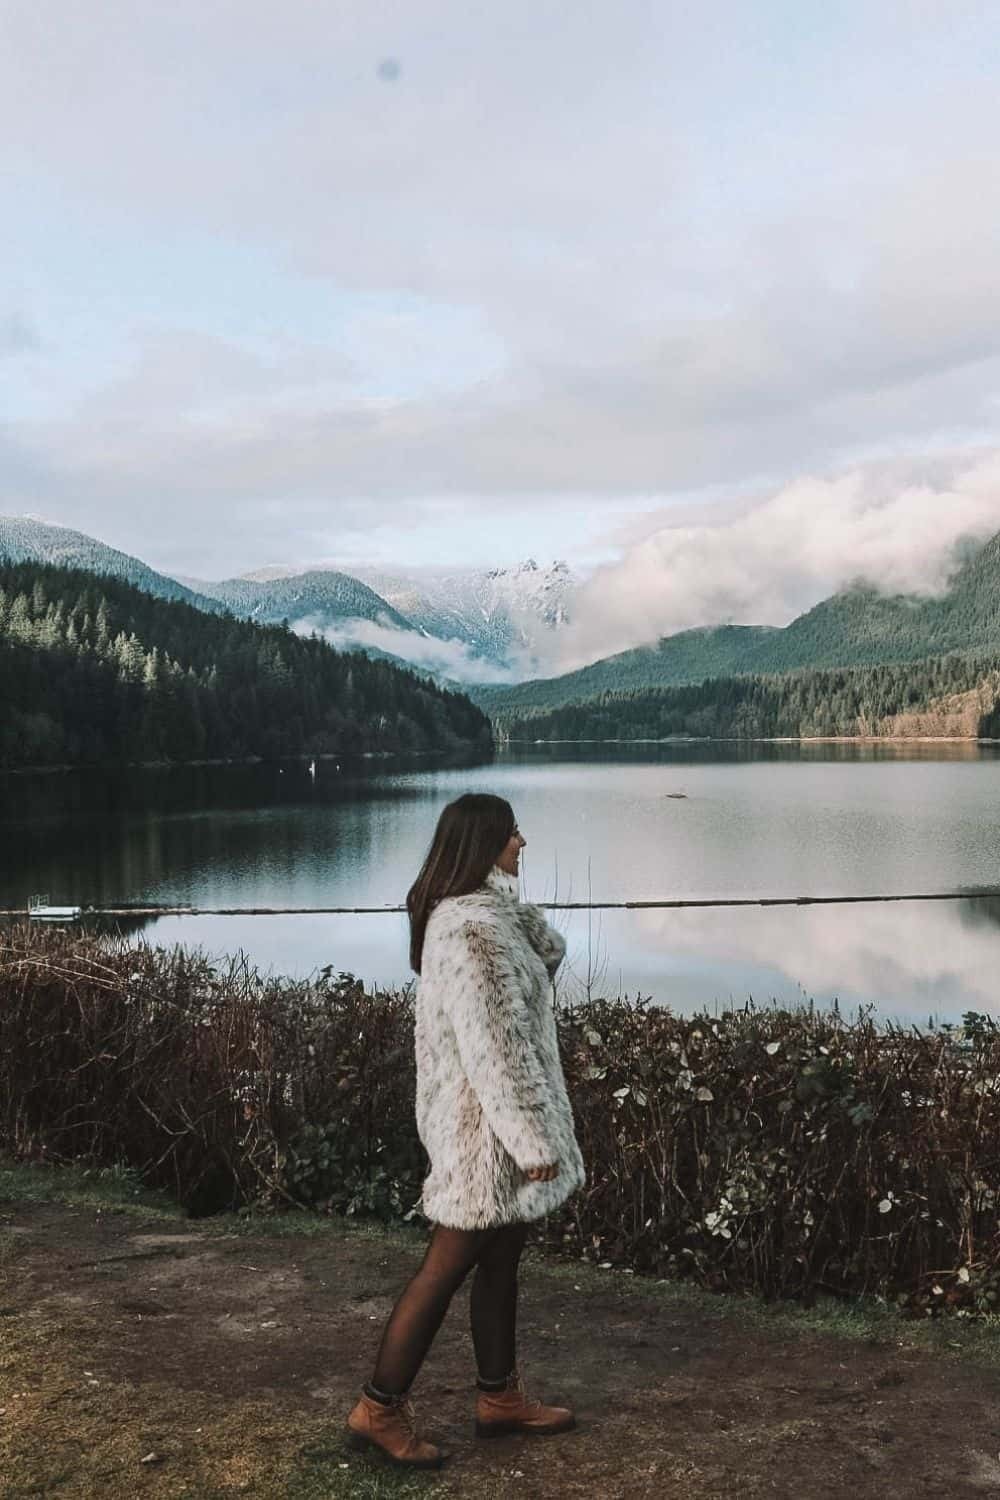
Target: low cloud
[673, 293]
[771, 561]
[449, 658]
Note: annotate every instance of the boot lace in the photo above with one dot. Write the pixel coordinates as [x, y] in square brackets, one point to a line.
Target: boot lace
[405, 1408]
[515, 1382]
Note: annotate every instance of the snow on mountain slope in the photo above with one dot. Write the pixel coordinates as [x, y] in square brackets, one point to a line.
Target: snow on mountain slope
[460, 626]
[501, 613]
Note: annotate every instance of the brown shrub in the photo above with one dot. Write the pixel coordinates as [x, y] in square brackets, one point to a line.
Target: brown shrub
[781, 1151]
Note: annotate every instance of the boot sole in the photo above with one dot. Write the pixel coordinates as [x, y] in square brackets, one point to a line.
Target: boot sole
[362, 1444]
[504, 1429]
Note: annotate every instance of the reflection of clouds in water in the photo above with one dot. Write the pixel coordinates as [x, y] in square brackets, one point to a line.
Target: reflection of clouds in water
[911, 959]
[374, 948]
[907, 957]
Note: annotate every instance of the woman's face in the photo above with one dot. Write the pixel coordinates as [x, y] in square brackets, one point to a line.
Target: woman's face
[508, 857]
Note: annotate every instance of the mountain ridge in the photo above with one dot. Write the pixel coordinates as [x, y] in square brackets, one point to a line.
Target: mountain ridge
[489, 616]
[318, 592]
[495, 616]
[858, 626]
[28, 538]
[95, 670]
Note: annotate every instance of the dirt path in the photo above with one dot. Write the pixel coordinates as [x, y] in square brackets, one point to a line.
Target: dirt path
[233, 1358]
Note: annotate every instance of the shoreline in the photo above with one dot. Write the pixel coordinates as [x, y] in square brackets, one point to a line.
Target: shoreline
[351, 756]
[779, 739]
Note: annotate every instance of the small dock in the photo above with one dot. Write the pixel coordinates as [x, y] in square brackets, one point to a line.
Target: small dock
[41, 909]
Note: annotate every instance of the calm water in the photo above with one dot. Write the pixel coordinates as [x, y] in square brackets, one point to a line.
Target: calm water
[601, 824]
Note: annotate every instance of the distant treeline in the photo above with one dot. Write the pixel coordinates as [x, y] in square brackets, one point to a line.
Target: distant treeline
[859, 627]
[94, 670]
[955, 694]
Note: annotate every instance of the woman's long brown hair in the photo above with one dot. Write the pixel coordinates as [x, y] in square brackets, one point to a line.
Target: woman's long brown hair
[470, 835]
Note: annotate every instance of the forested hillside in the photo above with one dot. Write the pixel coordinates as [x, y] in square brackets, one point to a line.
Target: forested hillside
[27, 539]
[953, 695]
[325, 597]
[859, 627]
[95, 670]
[690, 656]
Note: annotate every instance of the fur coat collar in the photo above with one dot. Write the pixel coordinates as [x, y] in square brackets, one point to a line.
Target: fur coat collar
[491, 1095]
[502, 882]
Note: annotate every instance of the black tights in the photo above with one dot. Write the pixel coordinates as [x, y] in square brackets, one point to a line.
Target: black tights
[420, 1310]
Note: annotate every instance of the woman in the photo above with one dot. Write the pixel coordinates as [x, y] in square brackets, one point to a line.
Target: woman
[492, 1114]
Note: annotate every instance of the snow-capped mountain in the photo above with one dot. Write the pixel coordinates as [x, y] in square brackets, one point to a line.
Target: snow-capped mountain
[500, 614]
[459, 626]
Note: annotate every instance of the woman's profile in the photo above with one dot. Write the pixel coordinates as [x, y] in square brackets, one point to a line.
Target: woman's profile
[493, 1116]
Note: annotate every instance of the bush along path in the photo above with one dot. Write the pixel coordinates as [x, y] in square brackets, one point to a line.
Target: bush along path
[786, 1153]
[144, 1353]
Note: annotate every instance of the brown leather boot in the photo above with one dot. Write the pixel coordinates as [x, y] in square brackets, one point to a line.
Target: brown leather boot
[392, 1429]
[511, 1410]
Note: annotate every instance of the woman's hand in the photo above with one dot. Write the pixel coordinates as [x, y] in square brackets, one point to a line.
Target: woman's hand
[543, 1174]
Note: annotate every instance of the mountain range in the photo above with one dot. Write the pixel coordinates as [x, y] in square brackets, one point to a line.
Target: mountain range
[460, 628]
[445, 624]
[493, 616]
[857, 627]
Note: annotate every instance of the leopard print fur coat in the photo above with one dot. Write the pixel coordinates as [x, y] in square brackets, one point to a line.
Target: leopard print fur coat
[491, 1095]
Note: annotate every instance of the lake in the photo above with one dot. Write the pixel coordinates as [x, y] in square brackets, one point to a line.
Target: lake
[602, 823]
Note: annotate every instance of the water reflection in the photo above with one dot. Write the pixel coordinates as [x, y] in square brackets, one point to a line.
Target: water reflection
[911, 961]
[604, 823]
[210, 836]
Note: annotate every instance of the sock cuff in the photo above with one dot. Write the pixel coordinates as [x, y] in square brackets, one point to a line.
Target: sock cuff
[384, 1398]
[492, 1385]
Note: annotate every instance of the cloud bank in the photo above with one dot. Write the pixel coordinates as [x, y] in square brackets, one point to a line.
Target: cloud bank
[263, 299]
[449, 658]
[774, 559]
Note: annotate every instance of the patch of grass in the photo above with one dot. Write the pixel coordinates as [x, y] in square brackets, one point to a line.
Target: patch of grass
[300, 1224]
[330, 1471]
[878, 1322]
[83, 1187]
[11, 1246]
[871, 1319]
[120, 1188]
[51, 1485]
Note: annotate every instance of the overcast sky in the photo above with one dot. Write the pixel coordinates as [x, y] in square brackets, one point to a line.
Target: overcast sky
[706, 298]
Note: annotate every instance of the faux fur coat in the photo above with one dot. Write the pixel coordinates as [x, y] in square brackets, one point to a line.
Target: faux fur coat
[491, 1096]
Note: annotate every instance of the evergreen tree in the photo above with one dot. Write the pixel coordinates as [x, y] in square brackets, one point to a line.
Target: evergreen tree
[93, 669]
